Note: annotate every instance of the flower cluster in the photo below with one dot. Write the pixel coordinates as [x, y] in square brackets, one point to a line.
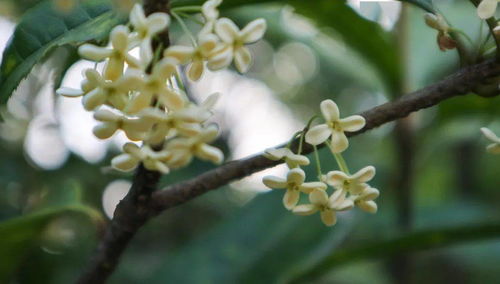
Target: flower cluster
[144, 96]
[349, 190]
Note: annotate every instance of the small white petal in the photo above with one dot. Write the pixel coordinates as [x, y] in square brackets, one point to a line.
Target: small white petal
[369, 193]
[291, 198]
[157, 22]
[305, 210]
[242, 59]
[119, 38]
[318, 197]
[210, 102]
[336, 178]
[339, 142]
[274, 182]
[364, 175]
[195, 70]
[330, 110]
[93, 99]
[226, 30]
[69, 92]
[105, 130]
[352, 123]
[221, 59]
[318, 134]
[124, 162]
[309, 187]
[183, 54]
[106, 115]
[210, 153]
[368, 206]
[253, 31]
[296, 176]
[94, 53]
[137, 17]
[276, 154]
[328, 217]
[487, 9]
[490, 135]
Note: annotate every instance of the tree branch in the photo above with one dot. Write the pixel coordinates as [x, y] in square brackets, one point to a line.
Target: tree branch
[459, 83]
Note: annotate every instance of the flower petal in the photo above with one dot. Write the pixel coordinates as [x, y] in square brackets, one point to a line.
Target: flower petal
[274, 182]
[209, 153]
[69, 92]
[220, 59]
[364, 175]
[352, 123]
[328, 217]
[487, 8]
[368, 206]
[369, 193]
[113, 69]
[124, 162]
[105, 130]
[195, 70]
[490, 135]
[318, 134]
[296, 176]
[137, 17]
[339, 142]
[94, 53]
[183, 54]
[305, 210]
[242, 59]
[93, 99]
[318, 197]
[276, 154]
[207, 43]
[291, 198]
[253, 31]
[226, 30]
[330, 110]
[294, 160]
[157, 22]
[119, 38]
[309, 187]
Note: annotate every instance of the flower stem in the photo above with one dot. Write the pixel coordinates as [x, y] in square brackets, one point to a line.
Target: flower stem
[301, 141]
[318, 163]
[341, 162]
[184, 28]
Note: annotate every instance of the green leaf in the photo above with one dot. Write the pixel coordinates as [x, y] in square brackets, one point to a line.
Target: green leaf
[19, 235]
[262, 237]
[408, 243]
[424, 4]
[42, 29]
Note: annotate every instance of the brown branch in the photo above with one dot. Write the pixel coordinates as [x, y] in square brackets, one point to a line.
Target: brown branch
[138, 206]
[459, 83]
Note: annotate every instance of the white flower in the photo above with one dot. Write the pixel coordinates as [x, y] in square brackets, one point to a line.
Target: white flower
[194, 55]
[334, 127]
[152, 160]
[118, 55]
[354, 184]
[145, 29]
[326, 206]
[184, 149]
[493, 148]
[365, 200]
[155, 87]
[97, 91]
[234, 41]
[134, 128]
[292, 160]
[294, 184]
[211, 14]
[487, 8]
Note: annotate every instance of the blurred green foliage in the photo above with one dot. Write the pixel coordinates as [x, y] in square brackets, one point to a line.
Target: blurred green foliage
[216, 238]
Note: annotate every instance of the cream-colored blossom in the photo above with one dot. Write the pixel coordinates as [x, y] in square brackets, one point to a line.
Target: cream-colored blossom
[327, 206]
[294, 184]
[234, 41]
[183, 149]
[365, 200]
[291, 159]
[354, 184]
[155, 87]
[111, 121]
[487, 8]
[210, 12]
[97, 91]
[118, 53]
[493, 148]
[195, 56]
[334, 127]
[133, 155]
[145, 28]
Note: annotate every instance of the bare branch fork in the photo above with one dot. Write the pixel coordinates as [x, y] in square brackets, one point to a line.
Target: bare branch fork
[144, 201]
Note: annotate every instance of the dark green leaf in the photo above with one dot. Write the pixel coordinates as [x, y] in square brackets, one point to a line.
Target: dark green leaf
[42, 29]
[19, 235]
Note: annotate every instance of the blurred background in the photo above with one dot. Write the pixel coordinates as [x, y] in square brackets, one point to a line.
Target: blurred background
[432, 169]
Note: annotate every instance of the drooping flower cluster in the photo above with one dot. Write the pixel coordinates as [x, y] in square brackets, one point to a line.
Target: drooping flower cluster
[349, 190]
[143, 96]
